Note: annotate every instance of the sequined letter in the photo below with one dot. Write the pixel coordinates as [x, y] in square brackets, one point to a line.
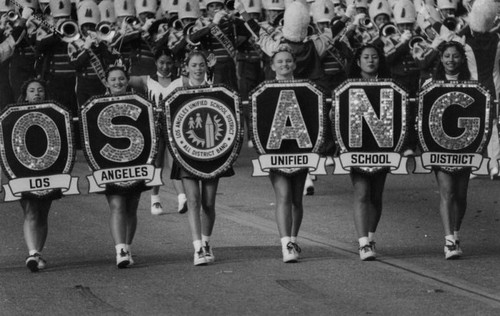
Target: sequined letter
[382, 128]
[53, 150]
[288, 123]
[121, 131]
[470, 124]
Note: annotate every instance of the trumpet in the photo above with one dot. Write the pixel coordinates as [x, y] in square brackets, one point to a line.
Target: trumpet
[105, 31]
[389, 30]
[12, 15]
[369, 30]
[68, 29]
[416, 40]
[132, 20]
[177, 25]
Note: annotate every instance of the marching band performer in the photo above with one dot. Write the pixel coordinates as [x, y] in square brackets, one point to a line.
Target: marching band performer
[368, 63]
[36, 210]
[157, 88]
[52, 47]
[89, 55]
[201, 193]
[273, 21]
[287, 188]
[7, 46]
[123, 203]
[220, 36]
[452, 186]
[22, 64]
[249, 62]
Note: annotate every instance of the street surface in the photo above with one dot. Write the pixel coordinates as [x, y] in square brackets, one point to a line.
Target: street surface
[410, 277]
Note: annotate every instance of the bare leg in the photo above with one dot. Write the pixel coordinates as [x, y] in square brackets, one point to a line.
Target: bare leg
[209, 190]
[462, 185]
[377, 184]
[362, 202]
[297, 207]
[447, 194]
[35, 225]
[282, 186]
[132, 205]
[193, 195]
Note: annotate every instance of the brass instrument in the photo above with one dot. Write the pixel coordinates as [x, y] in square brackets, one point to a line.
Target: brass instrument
[12, 15]
[389, 30]
[68, 29]
[369, 30]
[105, 31]
[132, 21]
[416, 40]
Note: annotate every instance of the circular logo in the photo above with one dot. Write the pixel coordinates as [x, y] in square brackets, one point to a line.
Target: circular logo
[204, 129]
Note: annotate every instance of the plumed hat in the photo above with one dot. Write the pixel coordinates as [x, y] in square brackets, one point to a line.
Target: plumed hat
[60, 8]
[482, 15]
[107, 9]
[142, 6]
[189, 9]
[88, 12]
[295, 22]
[378, 7]
[404, 12]
[124, 8]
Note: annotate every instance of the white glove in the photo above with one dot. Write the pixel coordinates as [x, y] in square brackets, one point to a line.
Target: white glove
[88, 42]
[424, 12]
[405, 37]
[27, 12]
[219, 15]
[358, 18]
[350, 11]
[239, 6]
[148, 24]
[437, 41]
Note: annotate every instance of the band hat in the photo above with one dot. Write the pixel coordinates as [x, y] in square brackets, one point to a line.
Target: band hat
[252, 6]
[404, 12]
[88, 12]
[361, 4]
[296, 21]
[44, 1]
[277, 5]
[322, 11]
[60, 8]
[6, 6]
[189, 9]
[107, 10]
[482, 15]
[203, 5]
[170, 6]
[214, 1]
[124, 8]
[447, 4]
[143, 6]
[378, 7]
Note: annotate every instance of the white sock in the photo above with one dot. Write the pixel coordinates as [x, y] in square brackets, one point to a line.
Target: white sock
[205, 240]
[293, 239]
[181, 197]
[33, 252]
[119, 248]
[450, 238]
[455, 234]
[363, 241]
[284, 241]
[371, 236]
[197, 245]
[155, 199]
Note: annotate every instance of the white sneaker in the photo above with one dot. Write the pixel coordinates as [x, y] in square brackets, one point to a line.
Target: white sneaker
[209, 254]
[329, 161]
[250, 144]
[366, 253]
[33, 262]
[182, 206]
[122, 259]
[451, 251]
[309, 187]
[290, 255]
[199, 258]
[493, 173]
[156, 209]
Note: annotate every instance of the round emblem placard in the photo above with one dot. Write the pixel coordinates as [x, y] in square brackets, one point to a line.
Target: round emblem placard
[204, 129]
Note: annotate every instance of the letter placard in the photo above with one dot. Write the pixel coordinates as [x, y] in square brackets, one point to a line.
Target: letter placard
[120, 141]
[288, 127]
[37, 150]
[454, 127]
[370, 123]
[204, 129]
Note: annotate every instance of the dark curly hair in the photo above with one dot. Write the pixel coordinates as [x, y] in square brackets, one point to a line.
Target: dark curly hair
[463, 70]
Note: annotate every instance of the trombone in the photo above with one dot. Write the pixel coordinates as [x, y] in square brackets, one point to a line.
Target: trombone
[68, 29]
[105, 31]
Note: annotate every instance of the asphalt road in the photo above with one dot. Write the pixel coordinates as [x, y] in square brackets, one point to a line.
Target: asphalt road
[410, 276]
